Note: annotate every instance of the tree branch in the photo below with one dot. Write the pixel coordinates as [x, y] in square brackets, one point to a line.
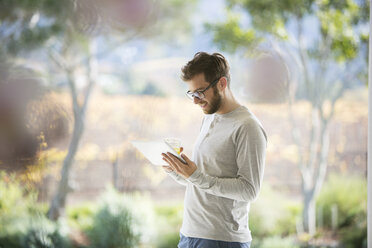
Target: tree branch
[302, 55]
[314, 139]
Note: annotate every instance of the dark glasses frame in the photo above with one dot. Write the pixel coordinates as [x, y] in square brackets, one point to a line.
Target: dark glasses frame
[200, 93]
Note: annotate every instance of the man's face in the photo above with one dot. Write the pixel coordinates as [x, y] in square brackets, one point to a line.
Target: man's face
[212, 100]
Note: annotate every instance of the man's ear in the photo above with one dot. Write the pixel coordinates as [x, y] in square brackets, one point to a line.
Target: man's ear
[222, 84]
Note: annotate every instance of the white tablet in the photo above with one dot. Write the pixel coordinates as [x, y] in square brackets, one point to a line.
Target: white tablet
[152, 151]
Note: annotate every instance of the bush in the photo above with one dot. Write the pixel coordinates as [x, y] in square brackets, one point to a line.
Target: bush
[43, 233]
[277, 242]
[121, 221]
[273, 214]
[349, 194]
[113, 228]
[355, 236]
[11, 241]
[81, 217]
[287, 222]
[16, 204]
[23, 223]
[169, 221]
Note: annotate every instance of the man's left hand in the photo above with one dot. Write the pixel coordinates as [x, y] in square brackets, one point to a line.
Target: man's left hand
[183, 169]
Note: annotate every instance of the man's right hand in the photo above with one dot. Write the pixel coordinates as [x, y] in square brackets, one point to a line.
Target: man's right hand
[168, 168]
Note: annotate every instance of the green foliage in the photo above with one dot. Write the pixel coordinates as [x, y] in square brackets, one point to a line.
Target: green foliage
[277, 242]
[21, 16]
[286, 224]
[120, 212]
[81, 217]
[28, 25]
[169, 221]
[236, 35]
[44, 233]
[349, 194]
[16, 203]
[273, 214]
[109, 221]
[168, 240]
[11, 241]
[355, 235]
[270, 16]
[129, 218]
[23, 222]
[339, 24]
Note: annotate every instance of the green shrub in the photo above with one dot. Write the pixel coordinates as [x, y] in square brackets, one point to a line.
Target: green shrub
[355, 234]
[349, 194]
[113, 228]
[273, 214]
[168, 240]
[43, 233]
[23, 222]
[286, 223]
[121, 221]
[16, 204]
[81, 217]
[11, 241]
[277, 242]
[169, 221]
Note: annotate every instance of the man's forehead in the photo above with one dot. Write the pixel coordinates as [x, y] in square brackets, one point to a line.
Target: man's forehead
[193, 89]
[197, 83]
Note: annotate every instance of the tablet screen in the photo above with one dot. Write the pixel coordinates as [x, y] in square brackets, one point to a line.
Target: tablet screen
[152, 151]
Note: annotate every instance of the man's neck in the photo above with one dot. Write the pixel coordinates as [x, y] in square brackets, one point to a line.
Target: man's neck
[228, 105]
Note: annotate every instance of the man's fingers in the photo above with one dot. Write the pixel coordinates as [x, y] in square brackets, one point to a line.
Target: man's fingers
[167, 168]
[180, 167]
[174, 161]
[169, 160]
[185, 158]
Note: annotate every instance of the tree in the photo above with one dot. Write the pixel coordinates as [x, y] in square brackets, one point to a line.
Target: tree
[68, 32]
[339, 42]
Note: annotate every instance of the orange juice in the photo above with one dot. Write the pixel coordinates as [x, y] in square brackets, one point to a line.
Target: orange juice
[175, 143]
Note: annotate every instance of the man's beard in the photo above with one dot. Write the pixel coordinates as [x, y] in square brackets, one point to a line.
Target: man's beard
[215, 103]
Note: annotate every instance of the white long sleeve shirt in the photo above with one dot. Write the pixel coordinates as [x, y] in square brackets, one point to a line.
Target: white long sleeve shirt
[230, 156]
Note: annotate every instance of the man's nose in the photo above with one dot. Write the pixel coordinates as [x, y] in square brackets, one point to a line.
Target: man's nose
[196, 100]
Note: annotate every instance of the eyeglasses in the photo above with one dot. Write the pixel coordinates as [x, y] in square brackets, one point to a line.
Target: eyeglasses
[200, 93]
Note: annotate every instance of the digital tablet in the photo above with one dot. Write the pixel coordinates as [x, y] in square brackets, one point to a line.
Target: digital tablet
[152, 151]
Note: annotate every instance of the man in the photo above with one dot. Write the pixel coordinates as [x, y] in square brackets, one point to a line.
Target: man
[227, 166]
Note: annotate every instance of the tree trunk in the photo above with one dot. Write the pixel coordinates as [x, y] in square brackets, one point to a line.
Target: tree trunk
[115, 176]
[59, 200]
[309, 213]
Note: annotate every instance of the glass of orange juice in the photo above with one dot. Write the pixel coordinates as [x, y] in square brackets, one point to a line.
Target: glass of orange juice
[175, 143]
